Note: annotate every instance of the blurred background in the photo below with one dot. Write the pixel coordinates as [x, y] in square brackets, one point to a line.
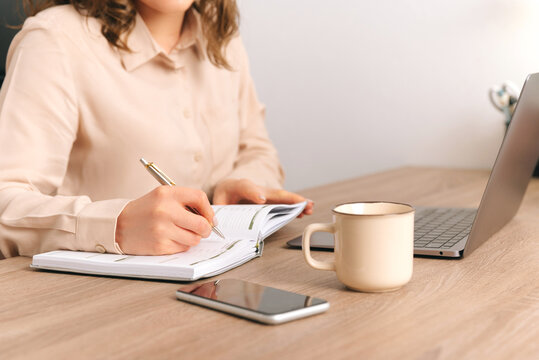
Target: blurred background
[354, 87]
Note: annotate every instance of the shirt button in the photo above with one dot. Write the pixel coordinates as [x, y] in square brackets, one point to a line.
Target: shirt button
[187, 113]
[197, 157]
[100, 248]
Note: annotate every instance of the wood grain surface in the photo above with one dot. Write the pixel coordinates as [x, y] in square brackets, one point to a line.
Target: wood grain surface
[485, 306]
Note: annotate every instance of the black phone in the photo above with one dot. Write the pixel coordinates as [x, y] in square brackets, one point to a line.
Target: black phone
[252, 301]
[319, 241]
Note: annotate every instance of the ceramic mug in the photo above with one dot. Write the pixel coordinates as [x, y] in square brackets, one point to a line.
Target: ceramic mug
[374, 245]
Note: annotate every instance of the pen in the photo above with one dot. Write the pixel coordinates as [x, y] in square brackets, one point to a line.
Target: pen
[165, 180]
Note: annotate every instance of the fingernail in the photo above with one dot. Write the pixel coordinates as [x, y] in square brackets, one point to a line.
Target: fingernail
[215, 222]
[262, 197]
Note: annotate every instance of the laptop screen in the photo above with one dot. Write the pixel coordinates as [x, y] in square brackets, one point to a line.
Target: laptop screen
[512, 170]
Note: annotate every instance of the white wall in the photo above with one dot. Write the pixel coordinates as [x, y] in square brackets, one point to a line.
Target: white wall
[354, 87]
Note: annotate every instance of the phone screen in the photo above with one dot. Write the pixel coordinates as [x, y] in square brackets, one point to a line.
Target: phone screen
[255, 297]
[319, 241]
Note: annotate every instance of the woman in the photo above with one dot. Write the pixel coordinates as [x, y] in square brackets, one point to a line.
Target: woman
[92, 86]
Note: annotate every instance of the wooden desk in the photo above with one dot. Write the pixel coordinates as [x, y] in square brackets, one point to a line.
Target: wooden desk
[485, 306]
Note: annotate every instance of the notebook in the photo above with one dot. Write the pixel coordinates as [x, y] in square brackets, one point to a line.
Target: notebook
[244, 226]
[456, 232]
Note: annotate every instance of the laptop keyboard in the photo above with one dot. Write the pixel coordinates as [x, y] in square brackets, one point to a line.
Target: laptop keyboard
[441, 228]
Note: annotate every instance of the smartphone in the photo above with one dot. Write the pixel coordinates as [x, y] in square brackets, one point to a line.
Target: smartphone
[319, 241]
[252, 301]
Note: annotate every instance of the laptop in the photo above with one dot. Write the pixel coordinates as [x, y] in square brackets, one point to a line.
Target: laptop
[456, 232]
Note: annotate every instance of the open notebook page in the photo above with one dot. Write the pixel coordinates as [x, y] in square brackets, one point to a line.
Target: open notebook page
[240, 221]
[208, 256]
[250, 221]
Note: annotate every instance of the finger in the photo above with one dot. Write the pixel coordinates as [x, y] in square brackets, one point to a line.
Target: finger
[168, 247]
[198, 200]
[186, 237]
[186, 220]
[309, 208]
[177, 248]
[247, 190]
[278, 196]
[220, 197]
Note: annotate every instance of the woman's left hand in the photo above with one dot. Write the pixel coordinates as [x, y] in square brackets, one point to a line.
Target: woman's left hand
[237, 191]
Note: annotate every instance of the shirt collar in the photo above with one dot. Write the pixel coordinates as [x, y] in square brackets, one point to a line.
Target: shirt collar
[144, 48]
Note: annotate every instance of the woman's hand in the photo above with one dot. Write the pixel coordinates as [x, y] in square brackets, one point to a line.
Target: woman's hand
[158, 223]
[236, 191]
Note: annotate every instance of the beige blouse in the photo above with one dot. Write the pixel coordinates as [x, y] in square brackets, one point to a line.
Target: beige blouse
[77, 114]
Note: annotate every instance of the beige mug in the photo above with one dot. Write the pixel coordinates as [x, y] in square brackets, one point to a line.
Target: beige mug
[374, 245]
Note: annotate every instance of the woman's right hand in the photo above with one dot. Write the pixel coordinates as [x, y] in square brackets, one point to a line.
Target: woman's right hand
[158, 223]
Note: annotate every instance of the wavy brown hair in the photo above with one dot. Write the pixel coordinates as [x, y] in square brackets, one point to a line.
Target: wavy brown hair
[220, 20]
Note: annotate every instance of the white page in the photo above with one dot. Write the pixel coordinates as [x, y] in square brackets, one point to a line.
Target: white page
[205, 250]
[240, 221]
[279, 216]
[208, 256]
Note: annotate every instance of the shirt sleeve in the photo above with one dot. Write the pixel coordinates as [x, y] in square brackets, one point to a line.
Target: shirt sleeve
[257, 158]
[38, 125]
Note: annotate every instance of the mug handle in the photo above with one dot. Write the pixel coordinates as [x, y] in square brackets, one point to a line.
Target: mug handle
[306, 245]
